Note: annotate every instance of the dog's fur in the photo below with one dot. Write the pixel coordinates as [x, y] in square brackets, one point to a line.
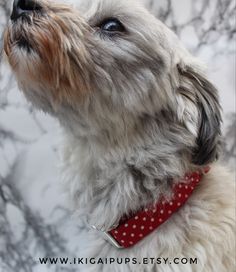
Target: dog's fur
[138, 113]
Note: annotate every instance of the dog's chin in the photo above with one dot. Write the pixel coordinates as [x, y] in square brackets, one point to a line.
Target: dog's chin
[17, 44]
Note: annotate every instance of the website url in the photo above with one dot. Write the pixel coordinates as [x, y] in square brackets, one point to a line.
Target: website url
[134, 261]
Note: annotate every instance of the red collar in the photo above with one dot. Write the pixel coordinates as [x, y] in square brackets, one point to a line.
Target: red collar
[130, 231]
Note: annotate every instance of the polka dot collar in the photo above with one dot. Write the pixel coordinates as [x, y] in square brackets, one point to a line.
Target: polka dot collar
[130, 231]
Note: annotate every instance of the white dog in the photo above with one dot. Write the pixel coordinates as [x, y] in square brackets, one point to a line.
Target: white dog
[142, 126]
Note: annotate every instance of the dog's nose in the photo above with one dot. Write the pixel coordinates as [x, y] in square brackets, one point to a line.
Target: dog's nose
[21, 7]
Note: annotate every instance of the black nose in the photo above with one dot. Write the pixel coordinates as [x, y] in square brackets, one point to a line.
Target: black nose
[21, 7]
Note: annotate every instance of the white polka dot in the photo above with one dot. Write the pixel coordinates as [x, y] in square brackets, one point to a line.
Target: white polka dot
[146, 210]
[160, 220]
[186, 187]
[186, 196]
[152, 219]
[162, 211]
[140, 235]
[171, 203]
[142, 227]
[116, 231]
[192, 179]
[126, 225]
[180, 186]
[132, 234]
[154, 210]
[136, 217]
[192, 187]
[124, 233]
[144, 219]
[151, 228]
[179, 195]
[163, 203]
[179, 204]
[134, 226]
[122, 241]
[169, 212]
[131, 243]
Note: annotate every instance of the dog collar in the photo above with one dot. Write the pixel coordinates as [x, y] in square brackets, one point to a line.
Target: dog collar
[133, 229]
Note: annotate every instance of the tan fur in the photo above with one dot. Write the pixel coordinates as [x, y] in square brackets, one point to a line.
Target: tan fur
[49, 38]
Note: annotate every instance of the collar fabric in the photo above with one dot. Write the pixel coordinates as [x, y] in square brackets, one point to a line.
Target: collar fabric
[132, 230]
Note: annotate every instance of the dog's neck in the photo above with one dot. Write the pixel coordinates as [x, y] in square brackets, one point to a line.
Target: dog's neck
[118, 131]
[108, 183]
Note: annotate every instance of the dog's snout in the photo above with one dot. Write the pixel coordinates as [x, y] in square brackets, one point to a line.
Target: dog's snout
[23, 7]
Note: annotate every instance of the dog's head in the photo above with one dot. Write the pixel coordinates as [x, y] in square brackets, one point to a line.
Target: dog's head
[107, 64]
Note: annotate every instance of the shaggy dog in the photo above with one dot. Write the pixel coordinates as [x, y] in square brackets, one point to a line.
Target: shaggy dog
[138, 114]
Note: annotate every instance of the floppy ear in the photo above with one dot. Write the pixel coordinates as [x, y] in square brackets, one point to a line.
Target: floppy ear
[205, 111]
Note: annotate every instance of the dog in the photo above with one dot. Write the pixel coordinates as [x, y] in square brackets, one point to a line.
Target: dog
[141, 123]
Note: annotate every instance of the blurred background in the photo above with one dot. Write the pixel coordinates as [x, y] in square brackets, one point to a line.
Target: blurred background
[34, 217]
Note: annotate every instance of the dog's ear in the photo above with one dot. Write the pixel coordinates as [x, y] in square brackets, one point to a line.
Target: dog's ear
[203, 112]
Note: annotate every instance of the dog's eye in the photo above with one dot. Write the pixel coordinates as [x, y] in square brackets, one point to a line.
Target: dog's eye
[112, 25]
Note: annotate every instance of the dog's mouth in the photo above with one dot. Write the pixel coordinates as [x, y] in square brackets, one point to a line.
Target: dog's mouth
[25, 14]
[23, 44]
